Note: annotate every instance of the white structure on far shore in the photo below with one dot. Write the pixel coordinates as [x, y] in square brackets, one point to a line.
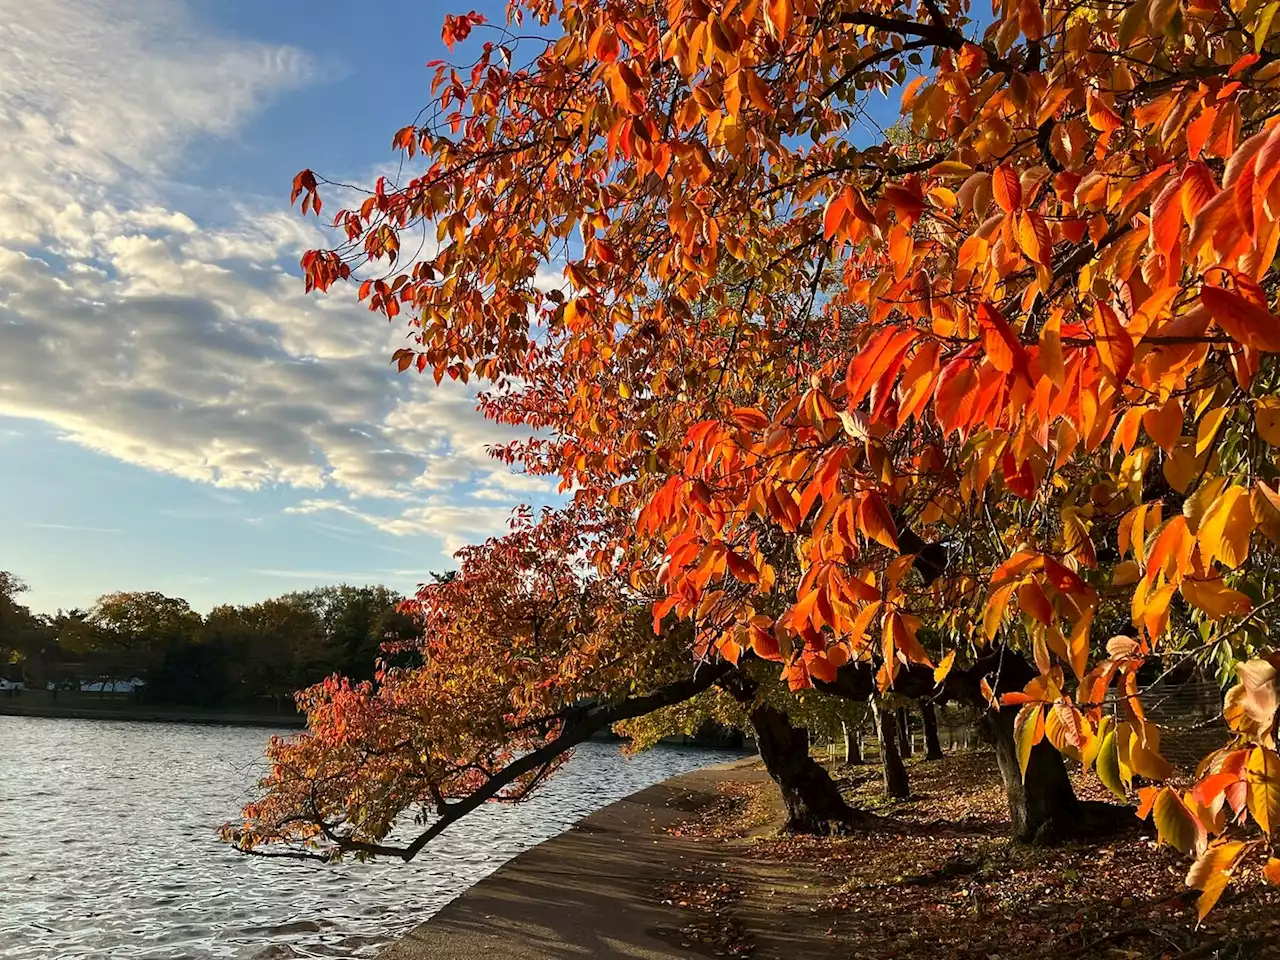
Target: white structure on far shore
[111, 686]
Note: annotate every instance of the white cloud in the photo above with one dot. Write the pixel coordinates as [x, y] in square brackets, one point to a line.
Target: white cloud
[456, 525]
[183, 346]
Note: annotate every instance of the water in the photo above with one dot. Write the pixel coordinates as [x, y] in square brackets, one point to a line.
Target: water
[108, 847]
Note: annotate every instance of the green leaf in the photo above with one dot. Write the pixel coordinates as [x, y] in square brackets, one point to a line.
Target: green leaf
[1109, 765]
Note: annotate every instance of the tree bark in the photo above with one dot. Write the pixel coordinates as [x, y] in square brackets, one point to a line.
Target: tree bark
[811, 798]
[1043, 806]
[896, 784]
[852, 743]
[905, 747]
[932, 745]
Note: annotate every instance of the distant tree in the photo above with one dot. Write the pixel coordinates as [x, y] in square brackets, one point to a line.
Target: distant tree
[14, 616]
[24, 636]
[130, 634]
[145, 618]
[355, 620]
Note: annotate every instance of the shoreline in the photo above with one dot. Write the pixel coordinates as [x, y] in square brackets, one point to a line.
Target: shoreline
[133, 714]
[137, 714]
[593, 891]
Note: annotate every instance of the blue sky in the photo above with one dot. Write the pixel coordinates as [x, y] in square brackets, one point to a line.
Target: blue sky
[174, 413]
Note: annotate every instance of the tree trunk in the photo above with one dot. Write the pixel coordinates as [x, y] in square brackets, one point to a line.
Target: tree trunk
[1043, 807]
[905, 747]
[811, 797]
[896, 784]
[812, 800]
[932, 745]
[852, 743]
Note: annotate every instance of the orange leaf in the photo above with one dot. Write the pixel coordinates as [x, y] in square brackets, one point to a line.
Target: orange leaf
[903, 635]
[1003, 348]
[1212, 872]
[875, 521]
[1033, 238]
[1164, 424]
[1272, 871]
[1034, 603]
[777, 15]
[1244, 321]
[742, 568]
[1006, 187]
[837, 210]
[1166, 217]
[1114, 344]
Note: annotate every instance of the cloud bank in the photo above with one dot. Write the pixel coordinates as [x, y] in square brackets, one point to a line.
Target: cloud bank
[182, 343]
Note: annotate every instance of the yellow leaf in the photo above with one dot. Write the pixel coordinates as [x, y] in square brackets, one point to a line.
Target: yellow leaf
[1208, 428]
[1027, 732]
[942, 669]
[1212, 872]
[1175, 824]
[1132, 24]
[1197, 505]
[1215, 598]
[1145, 759]
[1266, 415]
[951, 168]
[1079, 645]
[1264, 788]
[1225, 530]
[1182, 466]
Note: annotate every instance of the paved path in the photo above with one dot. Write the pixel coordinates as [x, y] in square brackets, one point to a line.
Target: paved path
[595, 891]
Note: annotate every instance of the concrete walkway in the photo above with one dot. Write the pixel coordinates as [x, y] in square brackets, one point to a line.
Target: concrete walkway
[595, 891]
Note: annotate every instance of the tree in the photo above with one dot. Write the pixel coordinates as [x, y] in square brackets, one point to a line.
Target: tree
[1006, 377]
[893, 770]
[523, 654]
[357, 621]
[21, 632]
[929, 718]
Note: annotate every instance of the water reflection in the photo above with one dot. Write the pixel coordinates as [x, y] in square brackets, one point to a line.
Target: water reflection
[108, 847]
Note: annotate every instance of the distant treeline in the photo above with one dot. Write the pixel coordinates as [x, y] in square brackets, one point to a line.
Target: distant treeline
[237, 655]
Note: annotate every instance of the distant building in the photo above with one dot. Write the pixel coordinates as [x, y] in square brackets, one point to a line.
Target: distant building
[111, 686]
[12, 678]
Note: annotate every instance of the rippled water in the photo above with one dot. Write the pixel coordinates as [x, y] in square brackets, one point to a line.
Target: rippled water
[108, 847]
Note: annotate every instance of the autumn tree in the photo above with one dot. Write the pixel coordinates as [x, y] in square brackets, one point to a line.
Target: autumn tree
[523, 654]
[531, 647]
[1002, 378]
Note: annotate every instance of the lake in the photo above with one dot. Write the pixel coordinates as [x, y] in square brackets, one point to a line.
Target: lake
[108, 846]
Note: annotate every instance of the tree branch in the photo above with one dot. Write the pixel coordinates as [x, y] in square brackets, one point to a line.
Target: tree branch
[588, 721]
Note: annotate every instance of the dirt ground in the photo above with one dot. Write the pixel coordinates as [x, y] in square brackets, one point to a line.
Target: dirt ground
[937, 878]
